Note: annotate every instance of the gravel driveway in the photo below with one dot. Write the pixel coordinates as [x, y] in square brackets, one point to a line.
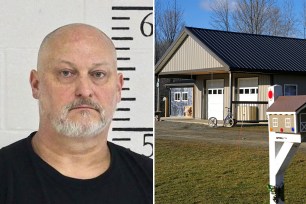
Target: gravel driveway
[242, 134]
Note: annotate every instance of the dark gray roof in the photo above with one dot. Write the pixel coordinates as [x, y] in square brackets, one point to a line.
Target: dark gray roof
[254, 53]
[288, 104]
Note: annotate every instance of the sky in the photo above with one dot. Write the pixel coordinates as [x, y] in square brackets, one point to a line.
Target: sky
[197, 13]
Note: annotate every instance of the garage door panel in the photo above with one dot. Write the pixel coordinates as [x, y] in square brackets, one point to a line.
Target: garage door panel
[215, 90]
[248, 89]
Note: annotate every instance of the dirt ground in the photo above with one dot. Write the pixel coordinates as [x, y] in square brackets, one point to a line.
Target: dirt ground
[242, 134]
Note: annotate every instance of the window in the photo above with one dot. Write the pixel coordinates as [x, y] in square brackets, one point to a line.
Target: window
[290, 89]
[288, 122]
[184, 96]
[220, 91]
[177, 96]
[248, 91]
[275, 122]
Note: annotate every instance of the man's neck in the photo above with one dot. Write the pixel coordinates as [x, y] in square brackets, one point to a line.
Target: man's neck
[81, 158]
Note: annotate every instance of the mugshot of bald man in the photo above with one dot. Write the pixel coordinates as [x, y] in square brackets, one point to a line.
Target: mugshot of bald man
[68, 159]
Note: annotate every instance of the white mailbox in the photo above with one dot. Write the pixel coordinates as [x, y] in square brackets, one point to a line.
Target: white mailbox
[287, 130]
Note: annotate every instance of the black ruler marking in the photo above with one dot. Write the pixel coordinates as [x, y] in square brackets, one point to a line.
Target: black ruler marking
[120, 18]
[120, 28]
[128, 99]
[123, 58]
[138, 129]
[132, 8]
[123, 109]
[122, 38]
[147, 134]
[125, 89]
[126, 79]
[122, 48]
[121, 139]
[121, 119]
[126, 68]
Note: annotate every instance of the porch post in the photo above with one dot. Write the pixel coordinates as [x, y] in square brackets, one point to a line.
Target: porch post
[230, 91]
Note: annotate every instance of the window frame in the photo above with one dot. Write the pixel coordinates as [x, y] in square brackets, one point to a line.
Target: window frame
[274, 122]
[182, 96]
[287, 122]
[177, 95]
[288, 85]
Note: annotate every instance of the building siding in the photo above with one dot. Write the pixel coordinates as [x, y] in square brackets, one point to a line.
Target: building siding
[300, 80]
[189, 57]
[200, 100]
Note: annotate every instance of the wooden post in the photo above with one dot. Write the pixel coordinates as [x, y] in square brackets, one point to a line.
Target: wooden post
[166, 107]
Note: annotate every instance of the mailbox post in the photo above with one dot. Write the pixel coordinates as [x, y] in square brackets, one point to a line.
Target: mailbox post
[287, 130]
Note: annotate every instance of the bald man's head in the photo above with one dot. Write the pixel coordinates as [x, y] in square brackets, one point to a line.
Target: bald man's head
[68, 34]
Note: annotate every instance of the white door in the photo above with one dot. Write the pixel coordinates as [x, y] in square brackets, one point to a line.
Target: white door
[215, 92]
[248, 89]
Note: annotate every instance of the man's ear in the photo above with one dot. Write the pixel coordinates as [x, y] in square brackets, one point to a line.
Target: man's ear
[34, 81]
[119, 86]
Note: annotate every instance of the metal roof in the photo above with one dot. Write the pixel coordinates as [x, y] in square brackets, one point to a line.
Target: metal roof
[288, 104]
[254, 53]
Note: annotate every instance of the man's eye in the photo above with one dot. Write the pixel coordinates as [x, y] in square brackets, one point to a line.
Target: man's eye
[66, 73]
[98, 74]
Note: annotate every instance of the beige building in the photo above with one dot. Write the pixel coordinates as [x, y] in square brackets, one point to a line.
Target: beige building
[232, 70]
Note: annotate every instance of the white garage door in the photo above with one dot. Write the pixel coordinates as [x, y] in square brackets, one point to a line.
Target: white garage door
[215, 91]
[248, 89]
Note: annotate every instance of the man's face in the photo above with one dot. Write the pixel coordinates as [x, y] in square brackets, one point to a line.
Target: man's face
[78, 87]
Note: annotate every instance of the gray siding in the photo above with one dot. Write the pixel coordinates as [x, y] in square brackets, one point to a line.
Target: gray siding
[300, 80]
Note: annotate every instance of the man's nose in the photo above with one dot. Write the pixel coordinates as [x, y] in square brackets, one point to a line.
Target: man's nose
[84, 87]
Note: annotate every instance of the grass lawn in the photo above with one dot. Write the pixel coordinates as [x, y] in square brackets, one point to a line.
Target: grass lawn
[201, 172]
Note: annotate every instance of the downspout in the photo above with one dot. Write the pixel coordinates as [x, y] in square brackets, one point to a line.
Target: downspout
[230, 91]
[158, 96]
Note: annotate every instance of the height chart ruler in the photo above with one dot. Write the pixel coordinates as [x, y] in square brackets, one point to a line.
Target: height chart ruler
[132, 34]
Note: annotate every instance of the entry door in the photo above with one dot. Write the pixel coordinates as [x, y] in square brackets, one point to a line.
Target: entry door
[215, 92]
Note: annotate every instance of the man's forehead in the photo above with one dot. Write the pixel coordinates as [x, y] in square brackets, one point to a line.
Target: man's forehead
[77, 32]
[72, 35]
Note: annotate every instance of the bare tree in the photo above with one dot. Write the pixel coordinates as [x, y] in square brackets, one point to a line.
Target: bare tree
[282, 21]
[255, 16]
[274, 22]
[252, 16]
[221, 17]
[288, 19]
[168, 24]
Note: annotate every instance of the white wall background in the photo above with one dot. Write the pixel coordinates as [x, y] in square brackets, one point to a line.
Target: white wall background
[23, 25]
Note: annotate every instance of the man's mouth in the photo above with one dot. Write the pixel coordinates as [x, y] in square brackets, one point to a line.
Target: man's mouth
[84, 104]
[86, 107]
